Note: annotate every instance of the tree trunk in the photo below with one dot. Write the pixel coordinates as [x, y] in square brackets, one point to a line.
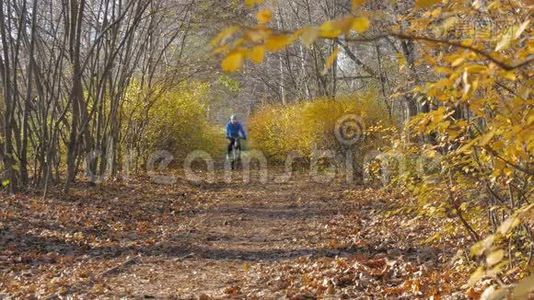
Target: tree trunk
[76, 93]
[5, 67]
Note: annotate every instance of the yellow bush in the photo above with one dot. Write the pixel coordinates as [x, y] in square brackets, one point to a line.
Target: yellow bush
[177, 122]
[305, 126]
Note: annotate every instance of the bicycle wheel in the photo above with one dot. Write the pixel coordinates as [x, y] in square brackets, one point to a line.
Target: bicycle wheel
[233, 157]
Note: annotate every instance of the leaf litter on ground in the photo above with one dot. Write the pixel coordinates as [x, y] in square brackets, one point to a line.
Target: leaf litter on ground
[295, 240]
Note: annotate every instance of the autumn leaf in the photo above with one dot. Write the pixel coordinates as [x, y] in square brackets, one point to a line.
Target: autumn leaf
[479, 248]
[356, 3]
[251, 3]
[330, 60]
[508, 224]
[256, 54]
[471, 293]
[277, 42]
[401, 60]
[505, 41]
[476, 276]
[495, 257]
[486, 138]
[335, 28]
[425, 3]
[360, 24]
[521, 28]
[330, 30]
[232, 62]
[476, 69]
[264, 16]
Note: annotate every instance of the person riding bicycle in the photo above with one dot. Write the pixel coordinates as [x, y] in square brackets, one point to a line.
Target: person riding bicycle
[234, 131]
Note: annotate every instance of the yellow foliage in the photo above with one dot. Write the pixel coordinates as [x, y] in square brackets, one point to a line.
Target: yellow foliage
[256, 54]
[360, 24]
[264, 16]
[330, 29]
[426, 3]
[356, 3]
[330, 60]
[236, 44]
[233, 61]
[176, 121]
[251, 3]
[305, 126]
[335, 28]
[278, 42]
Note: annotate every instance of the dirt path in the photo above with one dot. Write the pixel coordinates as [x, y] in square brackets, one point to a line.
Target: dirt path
[295, 240]
[246, 227]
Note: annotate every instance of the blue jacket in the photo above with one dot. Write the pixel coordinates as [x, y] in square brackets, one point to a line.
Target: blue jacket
[235, 130]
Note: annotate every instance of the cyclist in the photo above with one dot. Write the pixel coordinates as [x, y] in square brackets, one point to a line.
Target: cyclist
[234, 131]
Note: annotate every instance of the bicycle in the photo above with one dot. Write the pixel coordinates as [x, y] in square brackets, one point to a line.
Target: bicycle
[235, 154]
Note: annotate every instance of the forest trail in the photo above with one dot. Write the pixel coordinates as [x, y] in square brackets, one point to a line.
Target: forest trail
[298, 239]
